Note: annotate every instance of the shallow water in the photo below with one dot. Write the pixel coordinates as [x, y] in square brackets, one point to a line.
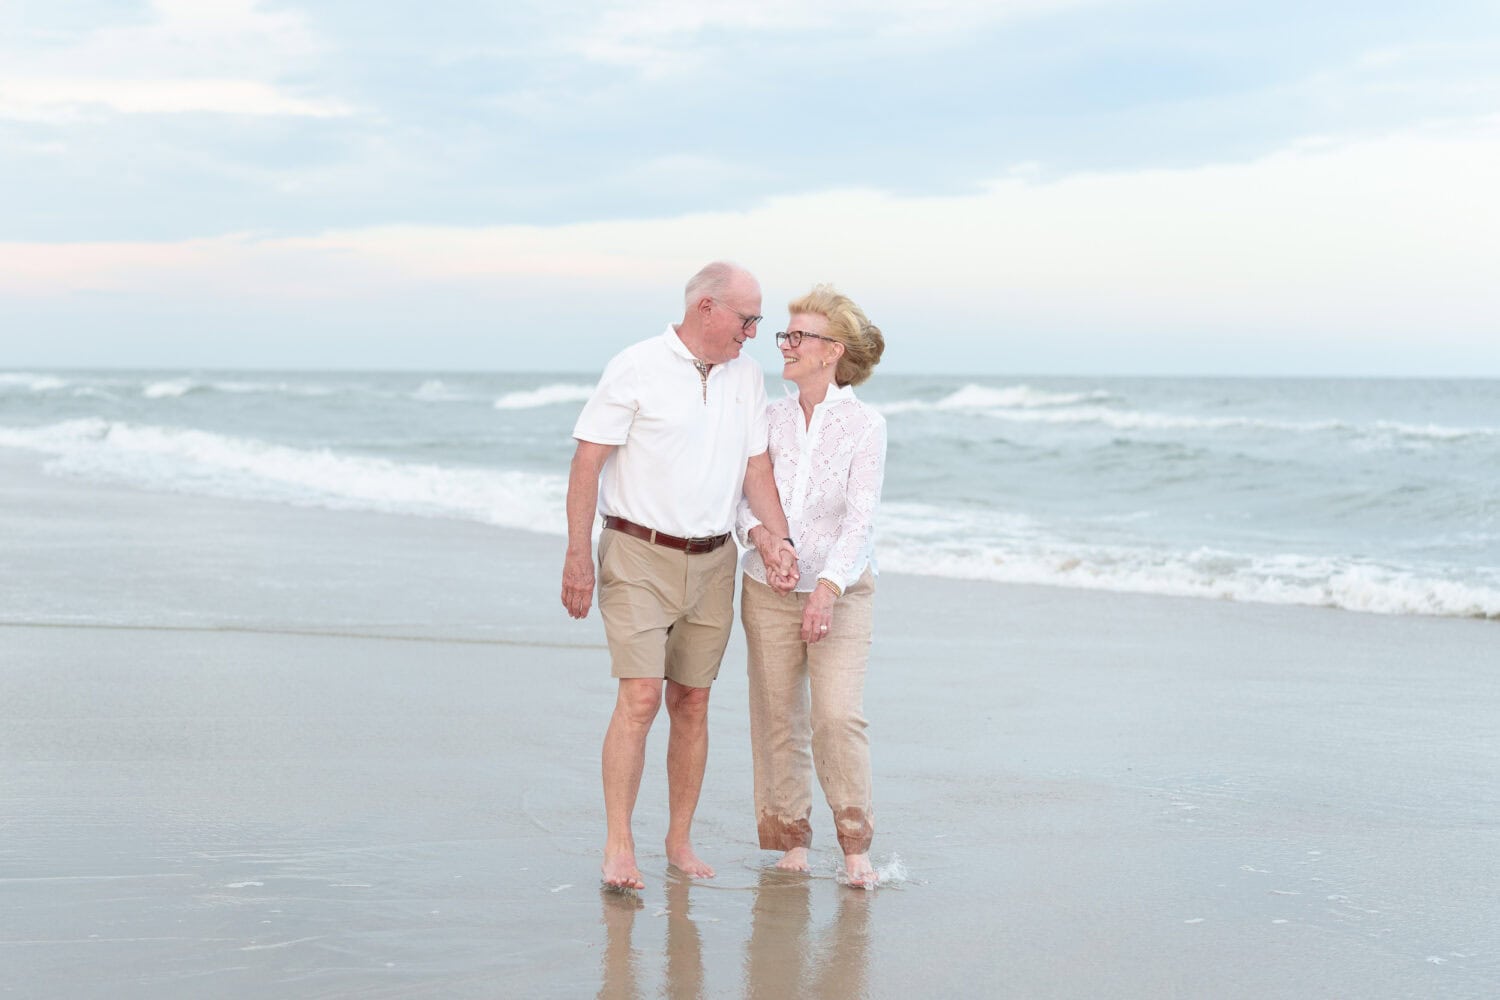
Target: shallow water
[1372, 495]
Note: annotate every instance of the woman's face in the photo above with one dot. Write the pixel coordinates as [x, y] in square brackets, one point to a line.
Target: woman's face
[806, 360]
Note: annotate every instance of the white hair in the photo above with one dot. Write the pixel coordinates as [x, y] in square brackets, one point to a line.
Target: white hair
[712, 281]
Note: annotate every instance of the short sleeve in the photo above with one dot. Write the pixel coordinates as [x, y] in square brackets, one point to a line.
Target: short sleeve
[760, 428]
[607, 416]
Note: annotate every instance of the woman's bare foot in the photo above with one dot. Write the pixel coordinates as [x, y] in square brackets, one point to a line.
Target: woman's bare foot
[619, 871]
[795, 860]
[685, 860]
[861, 874]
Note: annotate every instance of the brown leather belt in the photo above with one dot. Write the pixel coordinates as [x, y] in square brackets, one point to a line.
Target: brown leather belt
[689, 545]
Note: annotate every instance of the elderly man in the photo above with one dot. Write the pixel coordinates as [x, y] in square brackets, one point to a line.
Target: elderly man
[674, 432]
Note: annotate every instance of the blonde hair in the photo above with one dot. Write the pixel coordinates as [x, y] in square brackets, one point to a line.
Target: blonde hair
[848, 324]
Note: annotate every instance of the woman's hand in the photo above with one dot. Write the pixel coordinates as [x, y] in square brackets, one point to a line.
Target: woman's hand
[817, 614]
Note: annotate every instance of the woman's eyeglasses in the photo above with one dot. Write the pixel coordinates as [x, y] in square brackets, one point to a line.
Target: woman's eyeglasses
[793, 338]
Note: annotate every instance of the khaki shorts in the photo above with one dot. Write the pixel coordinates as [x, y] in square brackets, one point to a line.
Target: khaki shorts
[666, 613]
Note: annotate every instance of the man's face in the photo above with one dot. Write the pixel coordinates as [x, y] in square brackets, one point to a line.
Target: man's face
[732, 320]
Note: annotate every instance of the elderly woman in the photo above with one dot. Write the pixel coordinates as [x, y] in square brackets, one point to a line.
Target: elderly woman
[808, 648]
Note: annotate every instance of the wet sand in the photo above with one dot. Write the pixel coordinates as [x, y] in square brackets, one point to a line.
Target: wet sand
[258, 751]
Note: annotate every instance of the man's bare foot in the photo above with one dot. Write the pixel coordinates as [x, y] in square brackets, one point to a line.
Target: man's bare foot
[619, 871]
[795, 860]
[859, 871]
[686, 861]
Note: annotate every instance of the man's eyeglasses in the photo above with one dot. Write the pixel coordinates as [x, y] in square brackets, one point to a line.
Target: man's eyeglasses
[793, 338]
[746, 322]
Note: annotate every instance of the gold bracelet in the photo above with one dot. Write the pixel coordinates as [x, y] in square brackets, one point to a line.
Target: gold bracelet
[838, 591]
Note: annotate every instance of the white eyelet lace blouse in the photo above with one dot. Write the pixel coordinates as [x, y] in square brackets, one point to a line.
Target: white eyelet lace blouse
[828, 475]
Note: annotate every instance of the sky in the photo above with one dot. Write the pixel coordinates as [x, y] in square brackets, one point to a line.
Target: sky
[1029, 187]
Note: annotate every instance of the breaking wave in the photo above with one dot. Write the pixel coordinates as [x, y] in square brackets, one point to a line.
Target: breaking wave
[547, 395]
[1017, 549]
[1024, 405]
[192, 461]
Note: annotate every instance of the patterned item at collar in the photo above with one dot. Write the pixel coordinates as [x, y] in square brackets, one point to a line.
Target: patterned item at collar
[703, 369]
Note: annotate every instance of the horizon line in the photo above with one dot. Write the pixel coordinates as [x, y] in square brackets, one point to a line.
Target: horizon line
[399, 370]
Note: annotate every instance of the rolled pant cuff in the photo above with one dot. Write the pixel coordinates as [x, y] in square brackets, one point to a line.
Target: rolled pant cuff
[855, 830]
[777, 834]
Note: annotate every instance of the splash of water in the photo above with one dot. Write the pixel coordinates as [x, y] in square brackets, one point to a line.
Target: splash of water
[887, 875]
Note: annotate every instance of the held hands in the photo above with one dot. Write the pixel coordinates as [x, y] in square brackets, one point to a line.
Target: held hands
[578, 582]
[780, 559]
[783, 574]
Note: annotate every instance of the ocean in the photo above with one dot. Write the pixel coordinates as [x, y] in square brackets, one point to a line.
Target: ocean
[1365, 495]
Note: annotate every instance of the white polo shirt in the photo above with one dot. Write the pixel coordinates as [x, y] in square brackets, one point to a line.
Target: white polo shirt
[680, 462]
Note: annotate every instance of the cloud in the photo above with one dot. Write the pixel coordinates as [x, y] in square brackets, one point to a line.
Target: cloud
[1457, 76]
[660, 38]
[1389, 237]
[219, 56]
[61, 98]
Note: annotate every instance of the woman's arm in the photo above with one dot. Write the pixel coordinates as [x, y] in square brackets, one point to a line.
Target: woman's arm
[846, 558]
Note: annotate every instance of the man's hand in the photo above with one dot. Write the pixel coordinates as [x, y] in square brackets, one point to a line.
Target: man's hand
[578, 582]
[817, 615]
[583, 495]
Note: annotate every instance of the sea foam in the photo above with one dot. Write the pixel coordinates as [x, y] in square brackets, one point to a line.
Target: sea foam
[169, 389]
[28, 382]
[437, 391]
[914, 538]
[1282, 578]
[1244, 491]
[175, 388]
[980, 397]
[547, 395]
[1025, 405]
[193, 461]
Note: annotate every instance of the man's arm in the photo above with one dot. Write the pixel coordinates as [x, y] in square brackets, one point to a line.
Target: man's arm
[583, 502]
[770, 536]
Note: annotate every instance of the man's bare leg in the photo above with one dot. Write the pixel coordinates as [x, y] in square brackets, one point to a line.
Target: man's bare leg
[624, 760]
[795, 860]
[687, 755]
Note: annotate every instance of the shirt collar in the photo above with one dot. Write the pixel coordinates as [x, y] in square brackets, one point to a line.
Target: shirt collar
[836, 393]
[675, 344]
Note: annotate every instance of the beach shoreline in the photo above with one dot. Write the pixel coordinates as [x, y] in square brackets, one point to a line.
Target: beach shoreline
[256, 750]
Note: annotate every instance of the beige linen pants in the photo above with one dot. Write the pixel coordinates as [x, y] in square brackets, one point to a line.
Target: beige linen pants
[805, 696]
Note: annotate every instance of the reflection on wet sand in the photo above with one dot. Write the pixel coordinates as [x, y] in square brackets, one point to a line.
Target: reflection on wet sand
[618, 979]
[783, 960]
[684, 946]
[786, 955]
